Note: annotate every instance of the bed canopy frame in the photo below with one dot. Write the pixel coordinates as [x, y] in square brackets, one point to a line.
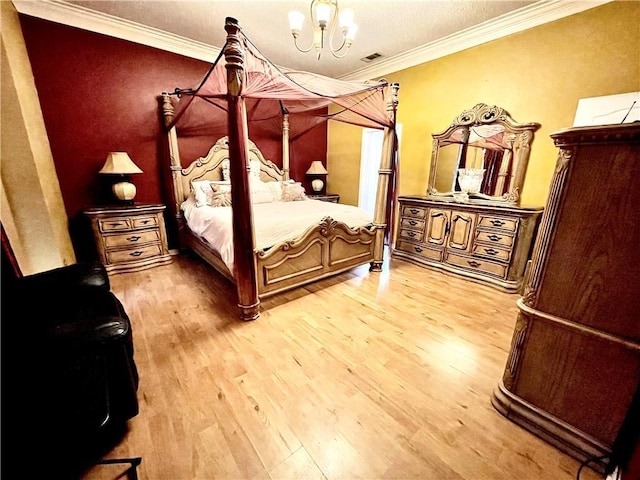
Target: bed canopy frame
[247, 81]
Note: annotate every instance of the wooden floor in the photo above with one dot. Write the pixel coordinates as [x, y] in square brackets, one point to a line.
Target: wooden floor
[361, 376]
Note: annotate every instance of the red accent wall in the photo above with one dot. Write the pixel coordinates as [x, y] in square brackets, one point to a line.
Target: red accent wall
[100, 94]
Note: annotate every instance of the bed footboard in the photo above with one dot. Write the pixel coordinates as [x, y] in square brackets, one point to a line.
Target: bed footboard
[328, 248]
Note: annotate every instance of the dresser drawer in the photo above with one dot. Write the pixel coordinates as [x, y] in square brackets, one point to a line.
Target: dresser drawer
[500, 239]
[411, 235]
[484, 266]
[420, 250]
[412, 223]
[133, 254]
[147, 221]
[489, 251]
[115, 224]
[413, 211]
[132, 238]
[502, 223]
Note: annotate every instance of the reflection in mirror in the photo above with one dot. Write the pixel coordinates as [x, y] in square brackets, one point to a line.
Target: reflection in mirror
[447, 167]
[489, 149]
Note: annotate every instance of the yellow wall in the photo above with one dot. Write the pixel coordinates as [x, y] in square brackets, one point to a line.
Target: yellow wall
[537, 75]
[32, 213]
[343, 161]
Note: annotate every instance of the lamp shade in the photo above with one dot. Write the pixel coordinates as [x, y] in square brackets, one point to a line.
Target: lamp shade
[317, 168]
[119, 163]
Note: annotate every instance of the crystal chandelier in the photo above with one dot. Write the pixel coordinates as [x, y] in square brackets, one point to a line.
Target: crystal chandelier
[326, 16]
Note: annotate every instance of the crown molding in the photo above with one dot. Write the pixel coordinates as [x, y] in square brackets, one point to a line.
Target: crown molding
[539, 13]
[522, 19]
[73, 15]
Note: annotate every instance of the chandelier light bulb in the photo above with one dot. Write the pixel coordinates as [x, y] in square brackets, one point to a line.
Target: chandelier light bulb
[351, 33]
[296, 19]
[346, 18]
[323, 14]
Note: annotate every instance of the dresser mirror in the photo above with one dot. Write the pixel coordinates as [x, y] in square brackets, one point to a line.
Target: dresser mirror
[481, 157]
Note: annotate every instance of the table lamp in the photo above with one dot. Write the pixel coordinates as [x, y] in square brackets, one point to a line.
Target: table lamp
[120, 164]
[317, 173]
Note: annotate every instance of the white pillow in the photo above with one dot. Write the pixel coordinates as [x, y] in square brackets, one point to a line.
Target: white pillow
[202, 191]
[276, 190]
[292, 192]
[225, 170]
[254, 169]
[260, 191]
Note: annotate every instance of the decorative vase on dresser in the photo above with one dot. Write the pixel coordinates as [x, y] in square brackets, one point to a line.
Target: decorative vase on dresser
[573, 372]
[471, 222]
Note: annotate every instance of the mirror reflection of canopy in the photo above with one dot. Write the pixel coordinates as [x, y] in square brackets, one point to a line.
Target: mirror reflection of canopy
[483, 140]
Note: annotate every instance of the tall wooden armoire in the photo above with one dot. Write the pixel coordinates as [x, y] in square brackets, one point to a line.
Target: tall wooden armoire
[573, 370]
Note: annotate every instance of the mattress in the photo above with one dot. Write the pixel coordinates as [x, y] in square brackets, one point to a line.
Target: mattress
[273, 222]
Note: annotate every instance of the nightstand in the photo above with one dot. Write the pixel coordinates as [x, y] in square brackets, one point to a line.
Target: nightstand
[329, 197]
[129, 237]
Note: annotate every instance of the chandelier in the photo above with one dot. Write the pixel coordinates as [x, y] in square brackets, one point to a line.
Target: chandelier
[326, 16]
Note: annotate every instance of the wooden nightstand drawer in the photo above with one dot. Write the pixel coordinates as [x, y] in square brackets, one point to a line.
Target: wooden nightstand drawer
[133, 254]
[329, 197]
[132, 238]
[145, 222]
[114, 224]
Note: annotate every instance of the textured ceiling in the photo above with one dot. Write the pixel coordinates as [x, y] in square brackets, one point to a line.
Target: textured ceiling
[385, 27]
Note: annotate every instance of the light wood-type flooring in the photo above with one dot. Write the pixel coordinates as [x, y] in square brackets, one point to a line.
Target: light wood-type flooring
[361, 376]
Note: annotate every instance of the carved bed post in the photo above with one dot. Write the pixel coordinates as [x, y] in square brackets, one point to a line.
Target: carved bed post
[174, 153]
[285, 145]
[384, 174]
[244, 242]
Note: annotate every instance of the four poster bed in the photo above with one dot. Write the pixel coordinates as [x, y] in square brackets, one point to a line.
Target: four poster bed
[241, 212]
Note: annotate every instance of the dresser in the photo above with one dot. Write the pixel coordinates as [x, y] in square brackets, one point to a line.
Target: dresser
[486, 243]
[129, 237]
[573, 372]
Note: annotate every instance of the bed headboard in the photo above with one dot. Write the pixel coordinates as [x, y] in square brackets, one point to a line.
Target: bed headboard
[209, 167]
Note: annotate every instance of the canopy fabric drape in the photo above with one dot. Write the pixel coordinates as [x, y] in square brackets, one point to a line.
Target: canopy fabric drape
[269, 91]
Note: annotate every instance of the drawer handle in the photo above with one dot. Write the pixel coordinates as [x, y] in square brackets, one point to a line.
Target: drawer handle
[134, 238]
[497, 223]
[417, 249]
[116, 224]
[495, 238]
[490, 251]
[411, 234]
[144, 222]
[414, 210]
[137, 253]
[473, 263]
[413, 223]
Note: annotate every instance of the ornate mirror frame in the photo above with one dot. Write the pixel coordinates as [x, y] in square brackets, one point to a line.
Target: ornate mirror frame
[506, 177]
